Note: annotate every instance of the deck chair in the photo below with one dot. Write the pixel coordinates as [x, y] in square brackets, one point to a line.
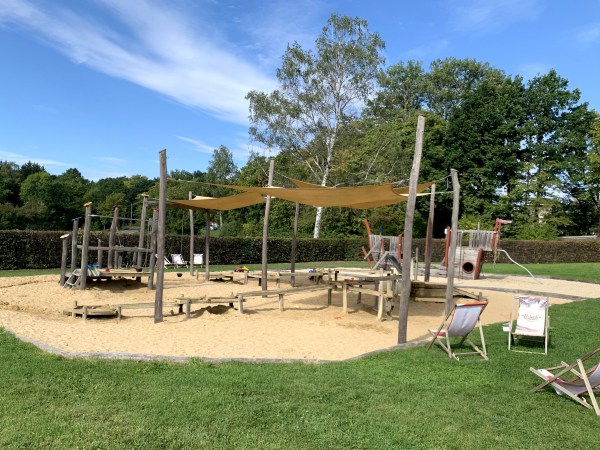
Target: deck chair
[178, 260]
[198, 259]
[167, 262]
[583, 382]
[532, 321]
[459, 323]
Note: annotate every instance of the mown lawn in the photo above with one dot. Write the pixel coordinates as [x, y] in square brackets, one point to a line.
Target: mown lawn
[569, 271]
[402, 399]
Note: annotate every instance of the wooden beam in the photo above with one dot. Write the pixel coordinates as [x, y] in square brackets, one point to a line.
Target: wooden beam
[294, 243]
[429, 236]
[86, 242]
[453, 243]
[191, 260]
[405, 285]
[207, 247]
[153, 234]
[74, 244]
[266, 229]
[63, 260]
[140, 257]
[111, 238]
[160, 238]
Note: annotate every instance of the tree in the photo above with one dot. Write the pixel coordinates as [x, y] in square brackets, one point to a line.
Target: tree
[402, 91]
[483, 143]
[556, 133]
[320, 92]
[10, 180]
[450, 80]
[221, 168]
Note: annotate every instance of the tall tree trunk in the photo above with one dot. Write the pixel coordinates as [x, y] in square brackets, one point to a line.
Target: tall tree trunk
[317, 229]
[328, 163]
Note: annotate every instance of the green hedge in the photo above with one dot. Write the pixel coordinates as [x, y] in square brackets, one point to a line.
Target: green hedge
[43, 249]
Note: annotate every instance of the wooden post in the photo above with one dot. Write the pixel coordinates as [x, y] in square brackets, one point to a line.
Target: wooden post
[429, 235]
[74, 244]
[100, 253]
[408, 232]
[85, 245]
[263, 283]
[453, 243]
[207, 247]
[160, 238]
[191, 260]
[294, 245]
[153, 233]
[111, 238]
[63, 260]
[141, 256]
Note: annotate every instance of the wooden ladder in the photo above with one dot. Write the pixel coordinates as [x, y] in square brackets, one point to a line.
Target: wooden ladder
[73, 280]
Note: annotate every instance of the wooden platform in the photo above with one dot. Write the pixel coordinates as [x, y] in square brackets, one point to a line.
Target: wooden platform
[435, 292]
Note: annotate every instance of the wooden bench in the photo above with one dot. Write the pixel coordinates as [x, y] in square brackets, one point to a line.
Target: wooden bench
[316, 276]
[208, 300]
[281, 293]
[384, 289]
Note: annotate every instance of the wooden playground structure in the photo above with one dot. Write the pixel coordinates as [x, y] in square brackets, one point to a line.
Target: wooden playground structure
[81, 271]
[386, 284]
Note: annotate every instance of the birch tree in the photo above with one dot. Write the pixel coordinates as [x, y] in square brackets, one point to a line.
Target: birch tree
[320, 91]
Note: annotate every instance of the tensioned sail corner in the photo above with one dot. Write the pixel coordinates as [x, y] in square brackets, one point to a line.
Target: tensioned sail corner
[219, 203]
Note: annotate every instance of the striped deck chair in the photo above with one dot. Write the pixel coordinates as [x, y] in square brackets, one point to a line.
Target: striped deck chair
[459, 323]
[532, 321]
[583, 383]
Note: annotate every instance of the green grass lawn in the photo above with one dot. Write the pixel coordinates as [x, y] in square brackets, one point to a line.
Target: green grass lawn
[402, 399]
[569, 271]
[411, 398]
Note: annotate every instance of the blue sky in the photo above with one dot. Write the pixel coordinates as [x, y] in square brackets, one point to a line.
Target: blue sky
[104, 85]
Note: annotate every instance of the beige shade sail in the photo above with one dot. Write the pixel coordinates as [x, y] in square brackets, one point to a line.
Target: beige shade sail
[219, 203]
[360, 197]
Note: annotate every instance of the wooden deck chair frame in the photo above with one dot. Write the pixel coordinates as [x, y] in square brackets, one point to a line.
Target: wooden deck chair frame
[584, 382]
[178, 260]
[167, 263]
[524, 329]
[461, 320]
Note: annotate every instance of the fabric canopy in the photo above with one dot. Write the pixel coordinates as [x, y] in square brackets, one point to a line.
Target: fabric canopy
[220, 203]
[361, 197]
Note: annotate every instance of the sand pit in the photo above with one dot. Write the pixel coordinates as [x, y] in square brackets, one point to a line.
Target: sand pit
[308, 329]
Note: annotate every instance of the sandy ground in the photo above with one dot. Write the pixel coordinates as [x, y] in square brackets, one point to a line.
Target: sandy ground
[308, 329]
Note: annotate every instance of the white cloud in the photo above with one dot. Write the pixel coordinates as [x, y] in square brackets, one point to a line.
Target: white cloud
[589, 35]
[111, 160]
[488, 15]
[198, 145]
[147, 44]
[23, 159]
